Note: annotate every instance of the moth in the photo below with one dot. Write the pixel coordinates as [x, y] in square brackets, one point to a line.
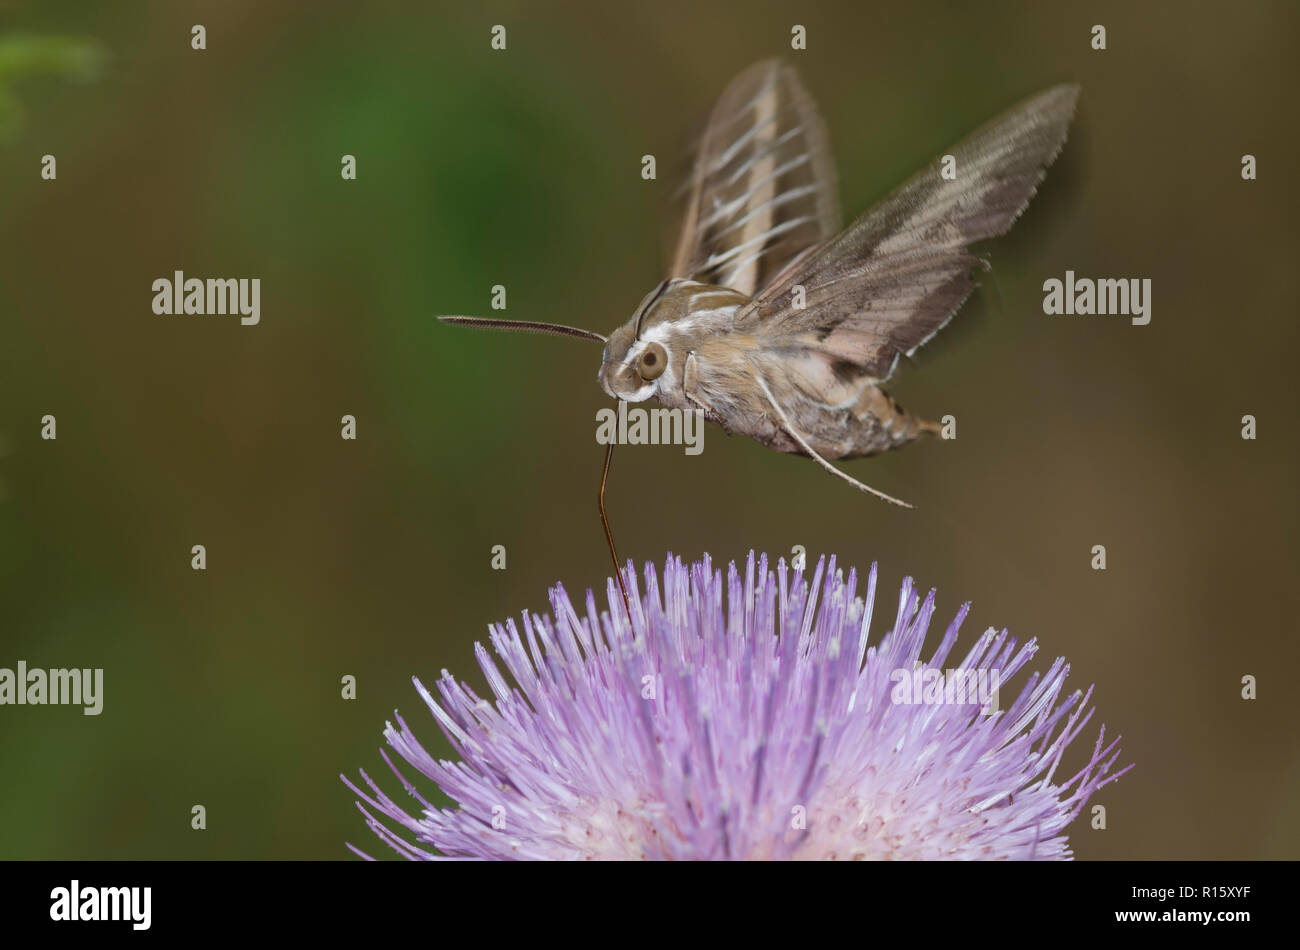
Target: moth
[781, 324]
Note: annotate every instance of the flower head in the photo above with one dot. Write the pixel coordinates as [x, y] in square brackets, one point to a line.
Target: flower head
[749, 718]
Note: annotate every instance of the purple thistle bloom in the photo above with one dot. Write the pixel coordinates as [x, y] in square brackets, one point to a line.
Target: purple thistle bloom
[756, 725]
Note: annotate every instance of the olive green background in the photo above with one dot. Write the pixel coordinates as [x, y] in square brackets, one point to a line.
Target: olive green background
[522, 167]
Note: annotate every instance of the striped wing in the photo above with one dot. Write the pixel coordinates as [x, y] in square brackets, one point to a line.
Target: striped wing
[763, 186]
[896, 275]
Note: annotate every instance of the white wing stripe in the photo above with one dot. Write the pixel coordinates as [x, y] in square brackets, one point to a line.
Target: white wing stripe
[716, 259]
[759, 154]
[725, 158]
[780, 199]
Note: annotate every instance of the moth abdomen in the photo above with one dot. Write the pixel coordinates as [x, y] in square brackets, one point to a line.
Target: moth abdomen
[873, 424]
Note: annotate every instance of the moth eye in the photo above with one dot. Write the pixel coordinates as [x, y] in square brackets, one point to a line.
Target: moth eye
[652, 362]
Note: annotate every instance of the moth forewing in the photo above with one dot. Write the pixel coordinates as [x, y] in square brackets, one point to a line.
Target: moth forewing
[898, 273]
[763, 184]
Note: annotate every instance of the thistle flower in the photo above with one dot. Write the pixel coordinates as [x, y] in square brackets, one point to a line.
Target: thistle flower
[757, 725]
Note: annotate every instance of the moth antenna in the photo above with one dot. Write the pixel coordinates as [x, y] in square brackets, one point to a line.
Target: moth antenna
[528, 326]
[803, 444]
[609, 535]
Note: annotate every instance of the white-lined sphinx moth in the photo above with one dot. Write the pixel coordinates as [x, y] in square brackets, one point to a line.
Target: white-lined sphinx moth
[783, 326]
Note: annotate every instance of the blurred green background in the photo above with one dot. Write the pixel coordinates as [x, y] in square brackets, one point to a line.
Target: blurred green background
[522, 167]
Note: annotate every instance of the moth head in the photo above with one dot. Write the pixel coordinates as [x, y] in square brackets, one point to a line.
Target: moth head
[632, 369]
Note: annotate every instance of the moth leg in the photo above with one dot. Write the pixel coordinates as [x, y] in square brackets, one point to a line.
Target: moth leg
[688, 372]
[803, 444]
